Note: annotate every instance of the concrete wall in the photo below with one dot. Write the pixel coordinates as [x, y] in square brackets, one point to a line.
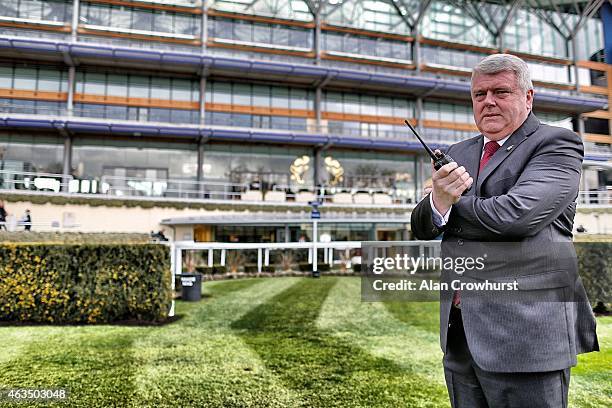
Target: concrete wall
[84, 218]
[595, 222]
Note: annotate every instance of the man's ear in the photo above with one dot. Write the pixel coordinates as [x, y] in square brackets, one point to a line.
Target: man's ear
[529, 100]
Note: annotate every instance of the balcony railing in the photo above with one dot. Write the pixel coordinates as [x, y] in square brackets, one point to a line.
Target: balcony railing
[207, 190]
[221, 190]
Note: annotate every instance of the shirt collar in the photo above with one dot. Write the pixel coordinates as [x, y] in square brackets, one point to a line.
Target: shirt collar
[499, 142]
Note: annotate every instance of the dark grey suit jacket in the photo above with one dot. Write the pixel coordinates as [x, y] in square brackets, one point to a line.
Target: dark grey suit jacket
[520, 211]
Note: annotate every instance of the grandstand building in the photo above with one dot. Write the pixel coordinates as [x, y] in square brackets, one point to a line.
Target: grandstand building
[118, 114]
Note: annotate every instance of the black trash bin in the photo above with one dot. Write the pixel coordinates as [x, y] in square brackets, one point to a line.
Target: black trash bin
[191, 284]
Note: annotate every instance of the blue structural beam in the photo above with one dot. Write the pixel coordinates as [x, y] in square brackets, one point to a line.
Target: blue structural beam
[221, 134]
[414, 84]
[210, 132]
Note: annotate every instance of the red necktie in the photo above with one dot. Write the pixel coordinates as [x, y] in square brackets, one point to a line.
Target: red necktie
[489, 150]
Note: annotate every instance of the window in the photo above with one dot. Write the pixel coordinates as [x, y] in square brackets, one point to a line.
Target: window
[138, 87]
[261, 96]
[96, 15]
[181, 90]
[25, 78]
[6, 77]
[138, 19]
[160, 88]
[49, 80]
[162, 21]
[119, 17]
[143, 20]
[222, 92]
[31, 9]
[262, 33]
[241, 94]
[242, 31]
[299, 99]
[280, 97]
[117, 85]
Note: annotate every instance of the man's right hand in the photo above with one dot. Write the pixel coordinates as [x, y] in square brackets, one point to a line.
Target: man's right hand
[448, 184]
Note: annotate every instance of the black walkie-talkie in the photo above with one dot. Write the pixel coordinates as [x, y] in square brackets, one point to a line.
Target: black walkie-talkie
[439, 159]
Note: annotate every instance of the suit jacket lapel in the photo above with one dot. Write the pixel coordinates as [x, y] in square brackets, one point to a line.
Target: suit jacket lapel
[519, 136]
[472, 159]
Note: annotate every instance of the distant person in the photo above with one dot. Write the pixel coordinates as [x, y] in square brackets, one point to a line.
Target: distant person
[581, 229]
[26, 220]
[3, 215]
[158, 236]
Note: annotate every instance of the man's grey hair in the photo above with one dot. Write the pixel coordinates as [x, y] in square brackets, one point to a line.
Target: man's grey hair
[496, 63]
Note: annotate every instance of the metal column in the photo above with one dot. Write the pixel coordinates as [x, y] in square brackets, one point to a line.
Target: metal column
[75, 19]
[204, 24]
[199, 172]
[67, 161]
[316, 164]
[71, 86]
[317, 34]
[317, 108]
[203, 97]
[575, 63]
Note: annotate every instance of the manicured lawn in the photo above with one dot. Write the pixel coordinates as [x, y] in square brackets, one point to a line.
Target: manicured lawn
[284, 342]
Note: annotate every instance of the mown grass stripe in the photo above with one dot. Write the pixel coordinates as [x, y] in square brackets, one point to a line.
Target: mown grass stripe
[201, 361]
[411, 342]
[285, 342]
[95, 365]
[326, 370]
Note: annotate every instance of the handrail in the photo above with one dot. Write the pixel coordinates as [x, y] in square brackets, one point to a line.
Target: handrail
[218, 189]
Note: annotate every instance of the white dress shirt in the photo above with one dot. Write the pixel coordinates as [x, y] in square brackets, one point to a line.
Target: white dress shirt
[440, 220]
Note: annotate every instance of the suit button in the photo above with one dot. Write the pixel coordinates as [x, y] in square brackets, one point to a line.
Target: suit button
[434, 230]
[458, 229]
[460, 242]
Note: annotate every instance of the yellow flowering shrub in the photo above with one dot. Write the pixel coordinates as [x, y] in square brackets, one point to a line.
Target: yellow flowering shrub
[90, 283]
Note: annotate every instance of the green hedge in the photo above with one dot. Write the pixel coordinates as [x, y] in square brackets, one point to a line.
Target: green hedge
[60, 283]
[595, 266]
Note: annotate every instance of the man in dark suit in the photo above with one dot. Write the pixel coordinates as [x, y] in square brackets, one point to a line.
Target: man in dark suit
[511, 195]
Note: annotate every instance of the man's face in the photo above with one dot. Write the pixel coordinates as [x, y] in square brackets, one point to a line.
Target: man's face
[500, 106]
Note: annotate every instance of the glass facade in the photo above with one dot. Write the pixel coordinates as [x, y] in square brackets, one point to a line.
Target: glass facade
[449, 23]
[137, 97]
[47, 10]
[260, 33]
[286, 9]
[368, 15]
[368, 172]
[447, 112]
[21, 153]
[136, 168]
[259, 95]
[138, 86]
[257, 167]
[451, 58]
[139, 19]
[369, 46]
[374, 36]
[33, 78]
[31, 89]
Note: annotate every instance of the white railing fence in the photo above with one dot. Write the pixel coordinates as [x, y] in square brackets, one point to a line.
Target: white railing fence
[264, 250]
